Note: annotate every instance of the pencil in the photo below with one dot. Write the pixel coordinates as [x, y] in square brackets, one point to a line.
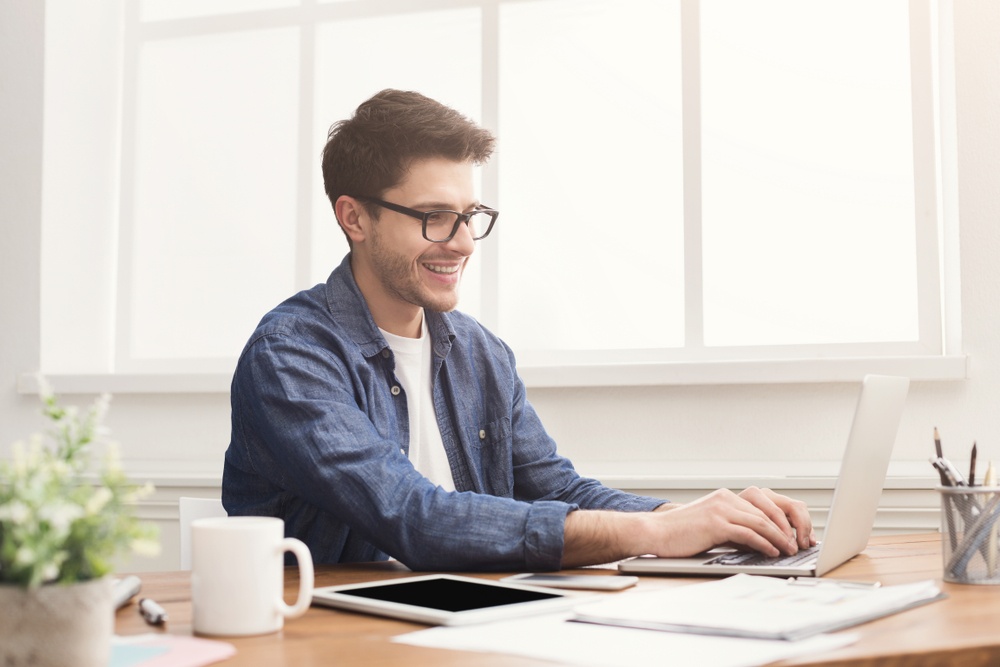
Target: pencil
[972, 466]
[990, 480]
[937, 443]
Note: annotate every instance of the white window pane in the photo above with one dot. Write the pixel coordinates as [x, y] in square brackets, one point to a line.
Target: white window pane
[161, 10]
[215, 189]
[435, 53]
[807, 173]
[591, 225]
[80, 170]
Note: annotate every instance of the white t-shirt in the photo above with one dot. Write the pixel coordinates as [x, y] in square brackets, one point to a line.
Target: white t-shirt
[413, 369]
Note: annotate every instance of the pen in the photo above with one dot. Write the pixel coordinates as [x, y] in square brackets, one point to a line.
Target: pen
[950, 475]
[152, 612]
[840, 583]
[940, 456]
[946, 480]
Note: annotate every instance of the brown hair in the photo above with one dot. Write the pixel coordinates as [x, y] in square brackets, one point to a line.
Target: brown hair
[370, 152]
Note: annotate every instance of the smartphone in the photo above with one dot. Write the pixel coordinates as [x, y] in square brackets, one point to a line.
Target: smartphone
[594, 582]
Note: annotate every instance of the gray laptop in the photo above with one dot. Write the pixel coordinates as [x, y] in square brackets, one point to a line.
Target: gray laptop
[852, 510]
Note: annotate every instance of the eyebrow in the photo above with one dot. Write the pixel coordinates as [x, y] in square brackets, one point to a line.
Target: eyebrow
[433, 206]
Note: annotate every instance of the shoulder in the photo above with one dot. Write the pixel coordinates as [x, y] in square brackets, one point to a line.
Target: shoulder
[331, 314]
[299, 315]
[469, 337]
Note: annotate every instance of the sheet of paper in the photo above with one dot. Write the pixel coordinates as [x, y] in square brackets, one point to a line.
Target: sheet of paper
[134, 655]
[557, 639]
[155, 649]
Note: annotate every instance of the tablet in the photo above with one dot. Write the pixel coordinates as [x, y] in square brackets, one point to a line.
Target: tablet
[446, 599]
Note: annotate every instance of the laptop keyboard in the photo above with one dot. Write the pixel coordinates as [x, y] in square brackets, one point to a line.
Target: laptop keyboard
[757, 558]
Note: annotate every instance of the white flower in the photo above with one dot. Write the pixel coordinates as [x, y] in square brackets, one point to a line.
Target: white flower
[146, 547]
[60, 515]
[60, 470]
[101, 497]
[139, 493]
[24, 555]
[16, 512]
[50, 572]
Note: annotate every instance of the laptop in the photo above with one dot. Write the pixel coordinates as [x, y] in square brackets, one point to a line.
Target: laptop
[852, 510]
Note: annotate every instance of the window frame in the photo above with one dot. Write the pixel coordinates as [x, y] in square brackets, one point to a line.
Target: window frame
[937, 354]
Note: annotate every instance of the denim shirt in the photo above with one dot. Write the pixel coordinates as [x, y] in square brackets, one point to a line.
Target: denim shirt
[320, 439]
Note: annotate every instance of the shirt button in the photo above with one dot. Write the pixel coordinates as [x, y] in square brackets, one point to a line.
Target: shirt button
[385, 354]
[482, 435]
[395, 390]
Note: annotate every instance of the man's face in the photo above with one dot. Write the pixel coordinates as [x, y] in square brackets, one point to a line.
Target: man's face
[410, 269]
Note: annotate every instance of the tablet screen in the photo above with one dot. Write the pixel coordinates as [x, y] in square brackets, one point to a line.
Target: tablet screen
[445, 599]
[449, 594]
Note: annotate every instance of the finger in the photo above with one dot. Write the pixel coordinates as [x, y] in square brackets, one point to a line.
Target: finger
[798, 515]
[750, 526]
[755, 530]
[765, 501]
[737, 518]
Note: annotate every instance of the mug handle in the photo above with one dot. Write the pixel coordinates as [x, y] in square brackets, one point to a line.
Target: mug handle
[304, 557]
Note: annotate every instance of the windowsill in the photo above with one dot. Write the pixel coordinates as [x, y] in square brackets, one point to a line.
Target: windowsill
[792, 371]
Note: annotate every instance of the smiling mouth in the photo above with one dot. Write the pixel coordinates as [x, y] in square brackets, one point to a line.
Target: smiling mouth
[443, 270]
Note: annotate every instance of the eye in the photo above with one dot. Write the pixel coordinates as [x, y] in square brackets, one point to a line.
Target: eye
[440, 218]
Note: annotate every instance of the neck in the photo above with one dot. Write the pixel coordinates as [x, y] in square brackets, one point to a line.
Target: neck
[405, 327]
[390, 314]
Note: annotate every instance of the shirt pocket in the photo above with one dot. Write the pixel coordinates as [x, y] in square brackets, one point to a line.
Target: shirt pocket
[494, 444]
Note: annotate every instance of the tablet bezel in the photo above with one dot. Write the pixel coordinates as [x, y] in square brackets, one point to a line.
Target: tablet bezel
[332, 596]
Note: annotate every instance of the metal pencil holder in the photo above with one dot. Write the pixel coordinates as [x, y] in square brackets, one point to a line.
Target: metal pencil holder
[970, 528]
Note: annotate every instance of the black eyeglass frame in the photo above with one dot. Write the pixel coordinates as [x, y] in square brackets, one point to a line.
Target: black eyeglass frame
[423, 216]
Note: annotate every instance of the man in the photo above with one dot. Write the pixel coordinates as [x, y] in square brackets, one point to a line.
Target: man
[377, 422]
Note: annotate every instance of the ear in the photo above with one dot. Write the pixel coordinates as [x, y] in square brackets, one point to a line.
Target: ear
[352, 217]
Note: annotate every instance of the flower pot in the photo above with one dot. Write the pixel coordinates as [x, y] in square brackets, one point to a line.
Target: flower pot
[55, 625]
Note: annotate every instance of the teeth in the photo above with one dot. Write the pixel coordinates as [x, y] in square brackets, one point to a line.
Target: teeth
[441, 269]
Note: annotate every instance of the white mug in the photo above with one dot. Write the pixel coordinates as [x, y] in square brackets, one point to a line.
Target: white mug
[237, 575]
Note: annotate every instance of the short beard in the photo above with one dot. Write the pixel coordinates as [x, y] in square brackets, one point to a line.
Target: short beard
[395, 273]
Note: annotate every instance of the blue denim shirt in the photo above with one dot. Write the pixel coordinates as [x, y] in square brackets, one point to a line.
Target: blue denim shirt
[320, 438]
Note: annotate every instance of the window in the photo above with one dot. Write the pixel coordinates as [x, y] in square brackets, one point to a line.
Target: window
[679, 181]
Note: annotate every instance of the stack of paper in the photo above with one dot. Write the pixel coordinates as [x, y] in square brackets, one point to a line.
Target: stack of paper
[760, 607]
[555, 639]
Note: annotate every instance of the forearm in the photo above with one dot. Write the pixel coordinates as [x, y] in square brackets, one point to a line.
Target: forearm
[758, 518]
[598, 536]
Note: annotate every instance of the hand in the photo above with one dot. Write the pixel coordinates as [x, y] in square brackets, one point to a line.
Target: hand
[759, 519]
[791, 515]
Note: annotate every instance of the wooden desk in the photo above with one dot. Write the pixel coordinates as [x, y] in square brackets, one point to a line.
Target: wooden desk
[963, 630]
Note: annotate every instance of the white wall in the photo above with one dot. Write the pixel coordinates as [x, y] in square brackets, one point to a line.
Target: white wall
[685, 439]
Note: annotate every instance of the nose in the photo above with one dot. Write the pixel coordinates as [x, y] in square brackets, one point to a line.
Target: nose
[462, 242]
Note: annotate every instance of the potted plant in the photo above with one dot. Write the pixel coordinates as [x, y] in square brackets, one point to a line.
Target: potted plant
[63, 521]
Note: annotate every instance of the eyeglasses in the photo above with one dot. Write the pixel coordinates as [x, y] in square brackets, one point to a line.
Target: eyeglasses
[440, 226]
